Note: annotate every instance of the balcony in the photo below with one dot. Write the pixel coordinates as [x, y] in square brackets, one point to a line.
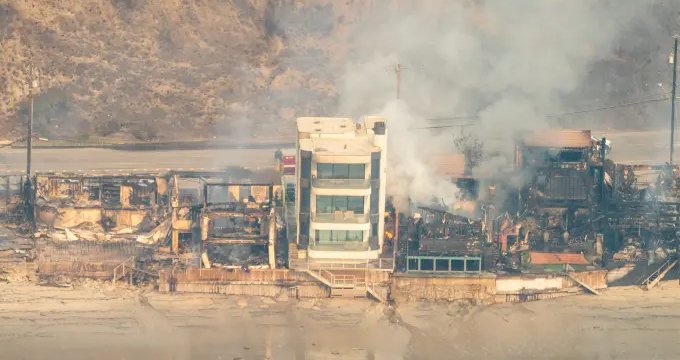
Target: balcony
[341, 183]
[341, 217]
[339, 246]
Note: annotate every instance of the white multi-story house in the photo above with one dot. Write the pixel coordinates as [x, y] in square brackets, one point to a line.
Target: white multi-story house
[341, 178]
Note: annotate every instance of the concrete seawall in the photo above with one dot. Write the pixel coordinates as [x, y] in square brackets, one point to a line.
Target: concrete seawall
[409, 287]
[491, 288]
[271, 283]
[485, 288]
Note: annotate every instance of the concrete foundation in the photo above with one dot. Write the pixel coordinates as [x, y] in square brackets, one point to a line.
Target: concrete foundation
[407, 287]
[271, 283]
[489, 288]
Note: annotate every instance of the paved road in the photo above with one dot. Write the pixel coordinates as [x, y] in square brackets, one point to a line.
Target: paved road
[649, 147]
[100, 160]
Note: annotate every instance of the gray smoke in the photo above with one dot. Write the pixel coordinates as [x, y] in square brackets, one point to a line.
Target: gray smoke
[509, 63]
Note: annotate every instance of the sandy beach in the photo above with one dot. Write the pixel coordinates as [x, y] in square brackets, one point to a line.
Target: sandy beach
[98, 320]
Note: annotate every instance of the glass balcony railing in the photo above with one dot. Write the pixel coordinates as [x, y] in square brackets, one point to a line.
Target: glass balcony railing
[343, 217]
[341, 183]
[339, 246]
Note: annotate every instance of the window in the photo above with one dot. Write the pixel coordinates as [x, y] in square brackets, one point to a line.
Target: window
[334, 236]
[341, 171]
[357, 171]
[355, 204]
[328, 204]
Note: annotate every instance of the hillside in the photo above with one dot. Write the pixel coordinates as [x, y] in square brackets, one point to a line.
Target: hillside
[158, 69]
[193, 69]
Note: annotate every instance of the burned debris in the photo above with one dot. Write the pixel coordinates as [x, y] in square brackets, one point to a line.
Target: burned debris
[560, 208]
[563, 206]
[224, 220]
[111, 202]
[94, 223]
[441, 241]
[238, 223]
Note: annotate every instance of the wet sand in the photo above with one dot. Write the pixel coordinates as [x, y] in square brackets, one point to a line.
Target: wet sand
[96, 320]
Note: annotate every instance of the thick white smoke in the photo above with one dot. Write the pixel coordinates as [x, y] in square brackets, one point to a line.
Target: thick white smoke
[509, 63]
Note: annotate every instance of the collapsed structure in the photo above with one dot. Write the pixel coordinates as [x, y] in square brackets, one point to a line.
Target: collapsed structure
[207, 219]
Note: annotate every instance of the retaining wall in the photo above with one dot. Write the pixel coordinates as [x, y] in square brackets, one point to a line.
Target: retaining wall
[410, 287]
[489, 288]
[272, 283]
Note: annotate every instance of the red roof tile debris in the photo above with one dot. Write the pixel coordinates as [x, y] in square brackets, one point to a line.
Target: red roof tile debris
[558, 139]
[539, 258]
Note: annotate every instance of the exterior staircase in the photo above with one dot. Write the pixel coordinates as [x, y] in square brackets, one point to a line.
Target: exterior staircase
[349, 285]
[293, 253]
[128, 268]
[654, 279]
[347, 278]
[583, 284]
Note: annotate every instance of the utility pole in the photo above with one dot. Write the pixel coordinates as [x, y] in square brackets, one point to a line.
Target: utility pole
[603, 154]
[28, 188]
[673, 63]
[397, 71]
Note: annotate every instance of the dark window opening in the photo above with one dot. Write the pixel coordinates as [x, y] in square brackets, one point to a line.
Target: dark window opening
[413, 264]
[330, 204]
[473, 265]
[334, 236]
[341, 171]
[570, 156]
[426, 264]
[457, 265]
[441, 265]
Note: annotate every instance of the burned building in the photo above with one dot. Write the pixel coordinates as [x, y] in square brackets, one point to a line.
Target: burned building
[643, 211]
[68, 200]
[562, 188]
[11, 197]
[556, 166]
[224, 219]
[238, 223]
[440, 241]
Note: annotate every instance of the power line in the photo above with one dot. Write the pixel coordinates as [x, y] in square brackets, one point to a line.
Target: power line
[576, 112]
[642, 100]
[608, 107]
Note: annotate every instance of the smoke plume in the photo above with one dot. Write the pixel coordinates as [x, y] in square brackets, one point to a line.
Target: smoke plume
[507, 63]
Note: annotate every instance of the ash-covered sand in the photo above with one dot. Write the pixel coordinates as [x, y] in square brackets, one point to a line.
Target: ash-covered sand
[99, 321]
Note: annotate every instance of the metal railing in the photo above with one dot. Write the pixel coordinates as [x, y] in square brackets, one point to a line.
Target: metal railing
[657, 275]
[127, 267]
[343, 217]
[120, 270]
[339, 280]
[340, 246]
[341, 183]
[352, 264]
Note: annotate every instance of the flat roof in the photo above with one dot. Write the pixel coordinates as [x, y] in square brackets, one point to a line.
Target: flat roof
[350, 146]
[558, 139]
[326, 125]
